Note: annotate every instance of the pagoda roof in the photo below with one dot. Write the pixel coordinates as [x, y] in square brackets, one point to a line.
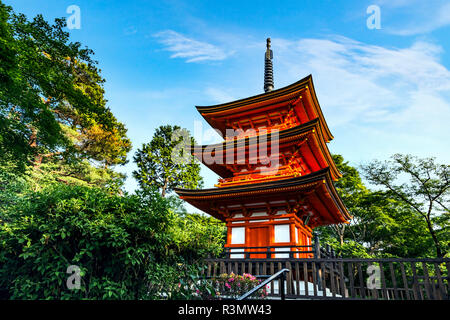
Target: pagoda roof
[287, 136]
[316, 187]
[216, 115]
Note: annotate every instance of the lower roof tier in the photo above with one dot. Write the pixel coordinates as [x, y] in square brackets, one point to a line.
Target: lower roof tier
[312, 196]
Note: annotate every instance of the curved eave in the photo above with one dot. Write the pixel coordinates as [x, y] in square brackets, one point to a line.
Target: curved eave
[248, 102]
[265, 99]
[284, 136]
[208, 196]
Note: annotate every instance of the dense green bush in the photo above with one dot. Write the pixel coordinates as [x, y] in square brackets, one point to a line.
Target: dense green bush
[127, 247]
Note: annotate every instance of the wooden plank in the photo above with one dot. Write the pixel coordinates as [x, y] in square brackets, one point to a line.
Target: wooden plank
[441, 287]
[297, 276]
[280, 286]
[305, 276]
[342, 279]
[289, 278]
[314, 275]
[416, 288]
[208, 273]
[323, 279]
[394, 281]
[405, 281]
[352, 282]
[332, 284]
[428, 285]
[383, 282]
[272, 271]
[362, 291]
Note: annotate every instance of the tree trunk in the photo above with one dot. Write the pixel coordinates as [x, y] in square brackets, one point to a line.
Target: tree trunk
[435, 239]
[163, 190]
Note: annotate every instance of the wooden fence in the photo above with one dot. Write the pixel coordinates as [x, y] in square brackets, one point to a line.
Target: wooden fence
[336, 278]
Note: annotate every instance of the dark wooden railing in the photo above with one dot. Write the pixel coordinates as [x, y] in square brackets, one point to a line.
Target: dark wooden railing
[336, 278]
[276, 251]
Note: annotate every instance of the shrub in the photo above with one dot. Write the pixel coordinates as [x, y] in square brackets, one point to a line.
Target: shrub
[234, 286]
[127, 247]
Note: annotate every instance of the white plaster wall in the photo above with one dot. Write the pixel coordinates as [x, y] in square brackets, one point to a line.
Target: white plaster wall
[281, 233]
[238, 235]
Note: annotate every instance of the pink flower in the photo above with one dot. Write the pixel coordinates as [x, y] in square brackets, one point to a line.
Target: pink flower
[227, 285]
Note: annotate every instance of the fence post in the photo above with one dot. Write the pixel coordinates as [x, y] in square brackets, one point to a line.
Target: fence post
[282, 278]
[316, 246]
[317, 256]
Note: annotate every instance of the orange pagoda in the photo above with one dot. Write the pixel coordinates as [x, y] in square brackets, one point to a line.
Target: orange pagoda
[276, 170]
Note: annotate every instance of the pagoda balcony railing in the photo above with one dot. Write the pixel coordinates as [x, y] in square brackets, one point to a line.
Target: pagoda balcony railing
[280, 251]
[276, 175]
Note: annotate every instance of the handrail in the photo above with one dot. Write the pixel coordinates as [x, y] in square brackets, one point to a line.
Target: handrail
[270, 279]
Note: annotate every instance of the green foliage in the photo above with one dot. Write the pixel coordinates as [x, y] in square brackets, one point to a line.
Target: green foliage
[51, 97]
[349, 249]
[74, 173]
[383, 223]
[190, 284]
[13, 186]
[195, 234]
[165, 163]
[124, 245]
[423, 186]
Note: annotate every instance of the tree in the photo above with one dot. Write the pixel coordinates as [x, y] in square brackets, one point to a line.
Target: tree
[382, 224]
[51, 97]
[165, 163]
[351, 189]
[421, 184]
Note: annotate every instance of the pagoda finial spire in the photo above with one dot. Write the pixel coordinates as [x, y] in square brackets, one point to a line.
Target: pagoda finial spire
[268, 68]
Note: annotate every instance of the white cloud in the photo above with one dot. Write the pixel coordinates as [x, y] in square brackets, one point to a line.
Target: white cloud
[219, 95]
[425, 16]
[377, 100]
[190, 49]
[367, 83]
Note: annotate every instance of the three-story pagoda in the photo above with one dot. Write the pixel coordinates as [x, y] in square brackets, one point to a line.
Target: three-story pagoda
[276, 170]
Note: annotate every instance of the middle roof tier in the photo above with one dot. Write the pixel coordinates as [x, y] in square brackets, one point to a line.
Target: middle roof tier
[275, 155]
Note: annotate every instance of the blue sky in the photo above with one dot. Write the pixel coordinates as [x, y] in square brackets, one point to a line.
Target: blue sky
[382, 91]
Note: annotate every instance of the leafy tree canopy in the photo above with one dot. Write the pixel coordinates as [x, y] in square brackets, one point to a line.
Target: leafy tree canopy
[382, 224]
[166, 163]
[51, 97]
[421, 184]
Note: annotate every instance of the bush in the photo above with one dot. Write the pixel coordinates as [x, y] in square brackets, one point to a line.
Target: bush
[234, 286]
[127, 247]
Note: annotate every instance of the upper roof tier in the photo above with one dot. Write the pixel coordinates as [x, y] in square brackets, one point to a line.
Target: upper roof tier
[279, 109]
